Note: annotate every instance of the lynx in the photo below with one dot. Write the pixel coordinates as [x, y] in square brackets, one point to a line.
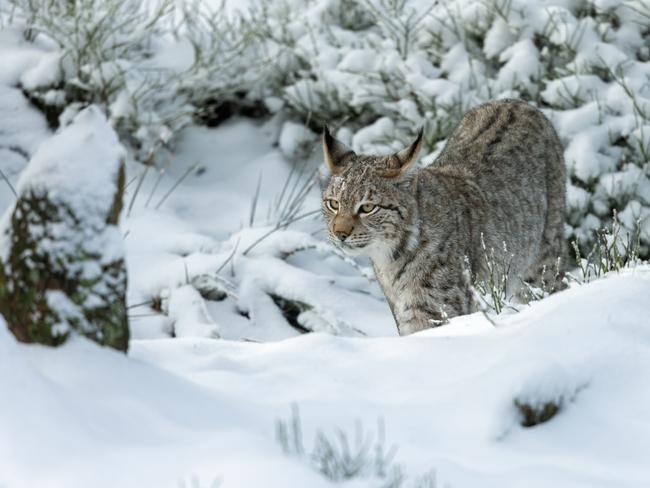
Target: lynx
[499, 183]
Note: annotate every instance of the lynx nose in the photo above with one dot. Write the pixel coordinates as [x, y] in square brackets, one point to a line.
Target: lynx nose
[342, 226]
[342, 235]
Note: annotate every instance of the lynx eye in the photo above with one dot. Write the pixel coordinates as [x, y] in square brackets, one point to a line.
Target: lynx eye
[332, 204]
[368, 208]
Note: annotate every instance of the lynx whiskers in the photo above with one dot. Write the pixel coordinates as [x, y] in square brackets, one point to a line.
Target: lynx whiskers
[500, 176]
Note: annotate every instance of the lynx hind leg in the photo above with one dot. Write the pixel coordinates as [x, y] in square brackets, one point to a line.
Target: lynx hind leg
[549, 268]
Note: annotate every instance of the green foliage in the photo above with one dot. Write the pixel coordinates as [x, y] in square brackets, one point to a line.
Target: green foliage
[531, 415]
[493, 291]
[613, 250]
[544, 404]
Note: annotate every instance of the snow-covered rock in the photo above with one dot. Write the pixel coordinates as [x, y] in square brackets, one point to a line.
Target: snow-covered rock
[62, 255]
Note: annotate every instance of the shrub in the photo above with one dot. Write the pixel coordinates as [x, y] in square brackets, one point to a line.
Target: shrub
[376, 70]
[395, 69]
[614, 249]
[131, 59]
[343, 456]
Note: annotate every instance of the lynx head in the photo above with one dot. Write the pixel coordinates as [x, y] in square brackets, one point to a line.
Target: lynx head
[369, 200]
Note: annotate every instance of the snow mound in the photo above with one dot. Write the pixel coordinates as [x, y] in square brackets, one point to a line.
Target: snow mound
[447, 395]
[295, 140]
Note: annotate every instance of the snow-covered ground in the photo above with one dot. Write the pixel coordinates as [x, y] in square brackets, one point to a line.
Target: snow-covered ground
[177, 410]
[214, 363]
[184, 410]
[207, 219]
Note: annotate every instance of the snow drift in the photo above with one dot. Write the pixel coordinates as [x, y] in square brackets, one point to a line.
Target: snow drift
[84, 416]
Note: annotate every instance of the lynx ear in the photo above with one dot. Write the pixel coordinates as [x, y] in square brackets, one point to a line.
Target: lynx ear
[401, 161]
[336, 153]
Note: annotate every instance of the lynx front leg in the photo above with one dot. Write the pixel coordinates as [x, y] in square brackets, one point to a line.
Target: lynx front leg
[428, 303]
[417, 320]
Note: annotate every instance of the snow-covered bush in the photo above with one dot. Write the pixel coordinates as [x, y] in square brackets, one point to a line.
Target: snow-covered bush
[62, 266]
[400, 65]
[614, 249]
[547, 392]
[151, 66]
[343, 456]
[229, 65]
[101, 55]
[375, 70]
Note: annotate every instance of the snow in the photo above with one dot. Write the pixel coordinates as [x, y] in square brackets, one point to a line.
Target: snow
[358, 61]
[189, 315]
[294, 138]
[182, 408]
[497, 39]
[77, 167]
[521, 65]
[383, 128]
[18, 56]
[206, 221]
[583, 156]
[634, 214]
[218, 354]
[190, 409]
[22, 128]
[85, 154]
[45, 73]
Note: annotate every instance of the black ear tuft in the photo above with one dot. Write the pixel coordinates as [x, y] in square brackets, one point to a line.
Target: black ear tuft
[403, 159]
[336, 154]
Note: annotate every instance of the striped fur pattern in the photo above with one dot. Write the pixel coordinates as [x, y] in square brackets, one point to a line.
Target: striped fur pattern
[499, 180]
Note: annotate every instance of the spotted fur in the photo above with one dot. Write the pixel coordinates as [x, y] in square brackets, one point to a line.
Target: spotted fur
[500, 178]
